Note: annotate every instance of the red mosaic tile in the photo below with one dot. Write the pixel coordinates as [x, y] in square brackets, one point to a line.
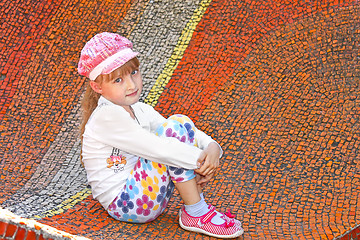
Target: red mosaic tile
[3, 226]
[11, 230]
[21, 233]
[31, 235]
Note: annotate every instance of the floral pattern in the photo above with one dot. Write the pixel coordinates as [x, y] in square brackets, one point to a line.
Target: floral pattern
[176, 171]
[124, 202]
[177, 179]
[131, 188]
[177, 134]
[137, 176]
[178, 126]
[150, 187]
[112, 205]
[165, 193]
[161, 168]
[129, 218]
[188, 124]
[137, 165]
[190, 131]
[164, 177]
[144, 205]
[162, 194]
[146, 164]
[144, 175]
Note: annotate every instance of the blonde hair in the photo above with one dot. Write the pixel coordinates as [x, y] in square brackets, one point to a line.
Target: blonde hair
[90, 100]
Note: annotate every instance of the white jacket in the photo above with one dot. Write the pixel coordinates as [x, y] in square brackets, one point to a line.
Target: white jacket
[113, 142]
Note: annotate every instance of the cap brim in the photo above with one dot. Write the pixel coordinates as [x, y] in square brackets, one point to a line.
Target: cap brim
[113, 62]
[118, 62]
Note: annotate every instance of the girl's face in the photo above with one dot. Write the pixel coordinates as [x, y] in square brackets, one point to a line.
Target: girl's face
[123, 89]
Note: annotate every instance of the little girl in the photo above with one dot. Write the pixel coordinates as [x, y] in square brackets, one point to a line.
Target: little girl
[133, 156]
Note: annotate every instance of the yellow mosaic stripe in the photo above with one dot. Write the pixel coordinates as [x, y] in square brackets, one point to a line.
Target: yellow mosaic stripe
[171, 65]
[152, 97]
[67, 204]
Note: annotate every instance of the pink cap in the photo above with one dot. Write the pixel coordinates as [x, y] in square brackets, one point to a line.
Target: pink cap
[104, 53]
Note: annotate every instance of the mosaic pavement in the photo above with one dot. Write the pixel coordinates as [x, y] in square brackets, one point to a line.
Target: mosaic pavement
[276, 83]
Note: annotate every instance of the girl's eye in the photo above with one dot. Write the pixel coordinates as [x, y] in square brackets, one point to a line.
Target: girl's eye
[134, 72]
[118, 80]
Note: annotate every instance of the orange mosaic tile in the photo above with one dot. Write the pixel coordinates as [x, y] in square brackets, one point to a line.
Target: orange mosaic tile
[220, 49]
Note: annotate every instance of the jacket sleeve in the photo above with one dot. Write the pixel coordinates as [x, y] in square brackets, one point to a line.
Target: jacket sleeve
[204, 140]
[113, 126]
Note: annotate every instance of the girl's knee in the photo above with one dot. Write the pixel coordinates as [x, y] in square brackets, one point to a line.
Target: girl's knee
[187, 123]
[183, 119]
[180, 127]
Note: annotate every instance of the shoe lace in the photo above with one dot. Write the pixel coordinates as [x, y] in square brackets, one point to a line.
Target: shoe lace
[229, 214]
[229, 222]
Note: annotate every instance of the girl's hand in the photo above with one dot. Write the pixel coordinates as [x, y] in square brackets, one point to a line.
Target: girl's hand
[208, 161]
[202, 181]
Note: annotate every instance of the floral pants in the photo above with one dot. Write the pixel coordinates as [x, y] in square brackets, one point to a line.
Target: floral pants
[150, 185]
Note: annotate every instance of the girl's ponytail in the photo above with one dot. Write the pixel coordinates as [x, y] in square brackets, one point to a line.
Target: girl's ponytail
[88, 104]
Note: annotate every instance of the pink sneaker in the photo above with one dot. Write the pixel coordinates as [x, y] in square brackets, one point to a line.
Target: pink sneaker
[231, 228]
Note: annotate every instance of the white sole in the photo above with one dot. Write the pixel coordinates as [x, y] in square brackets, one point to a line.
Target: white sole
[193, 229]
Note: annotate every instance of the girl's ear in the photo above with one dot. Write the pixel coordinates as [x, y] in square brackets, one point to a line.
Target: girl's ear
[96, 87]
